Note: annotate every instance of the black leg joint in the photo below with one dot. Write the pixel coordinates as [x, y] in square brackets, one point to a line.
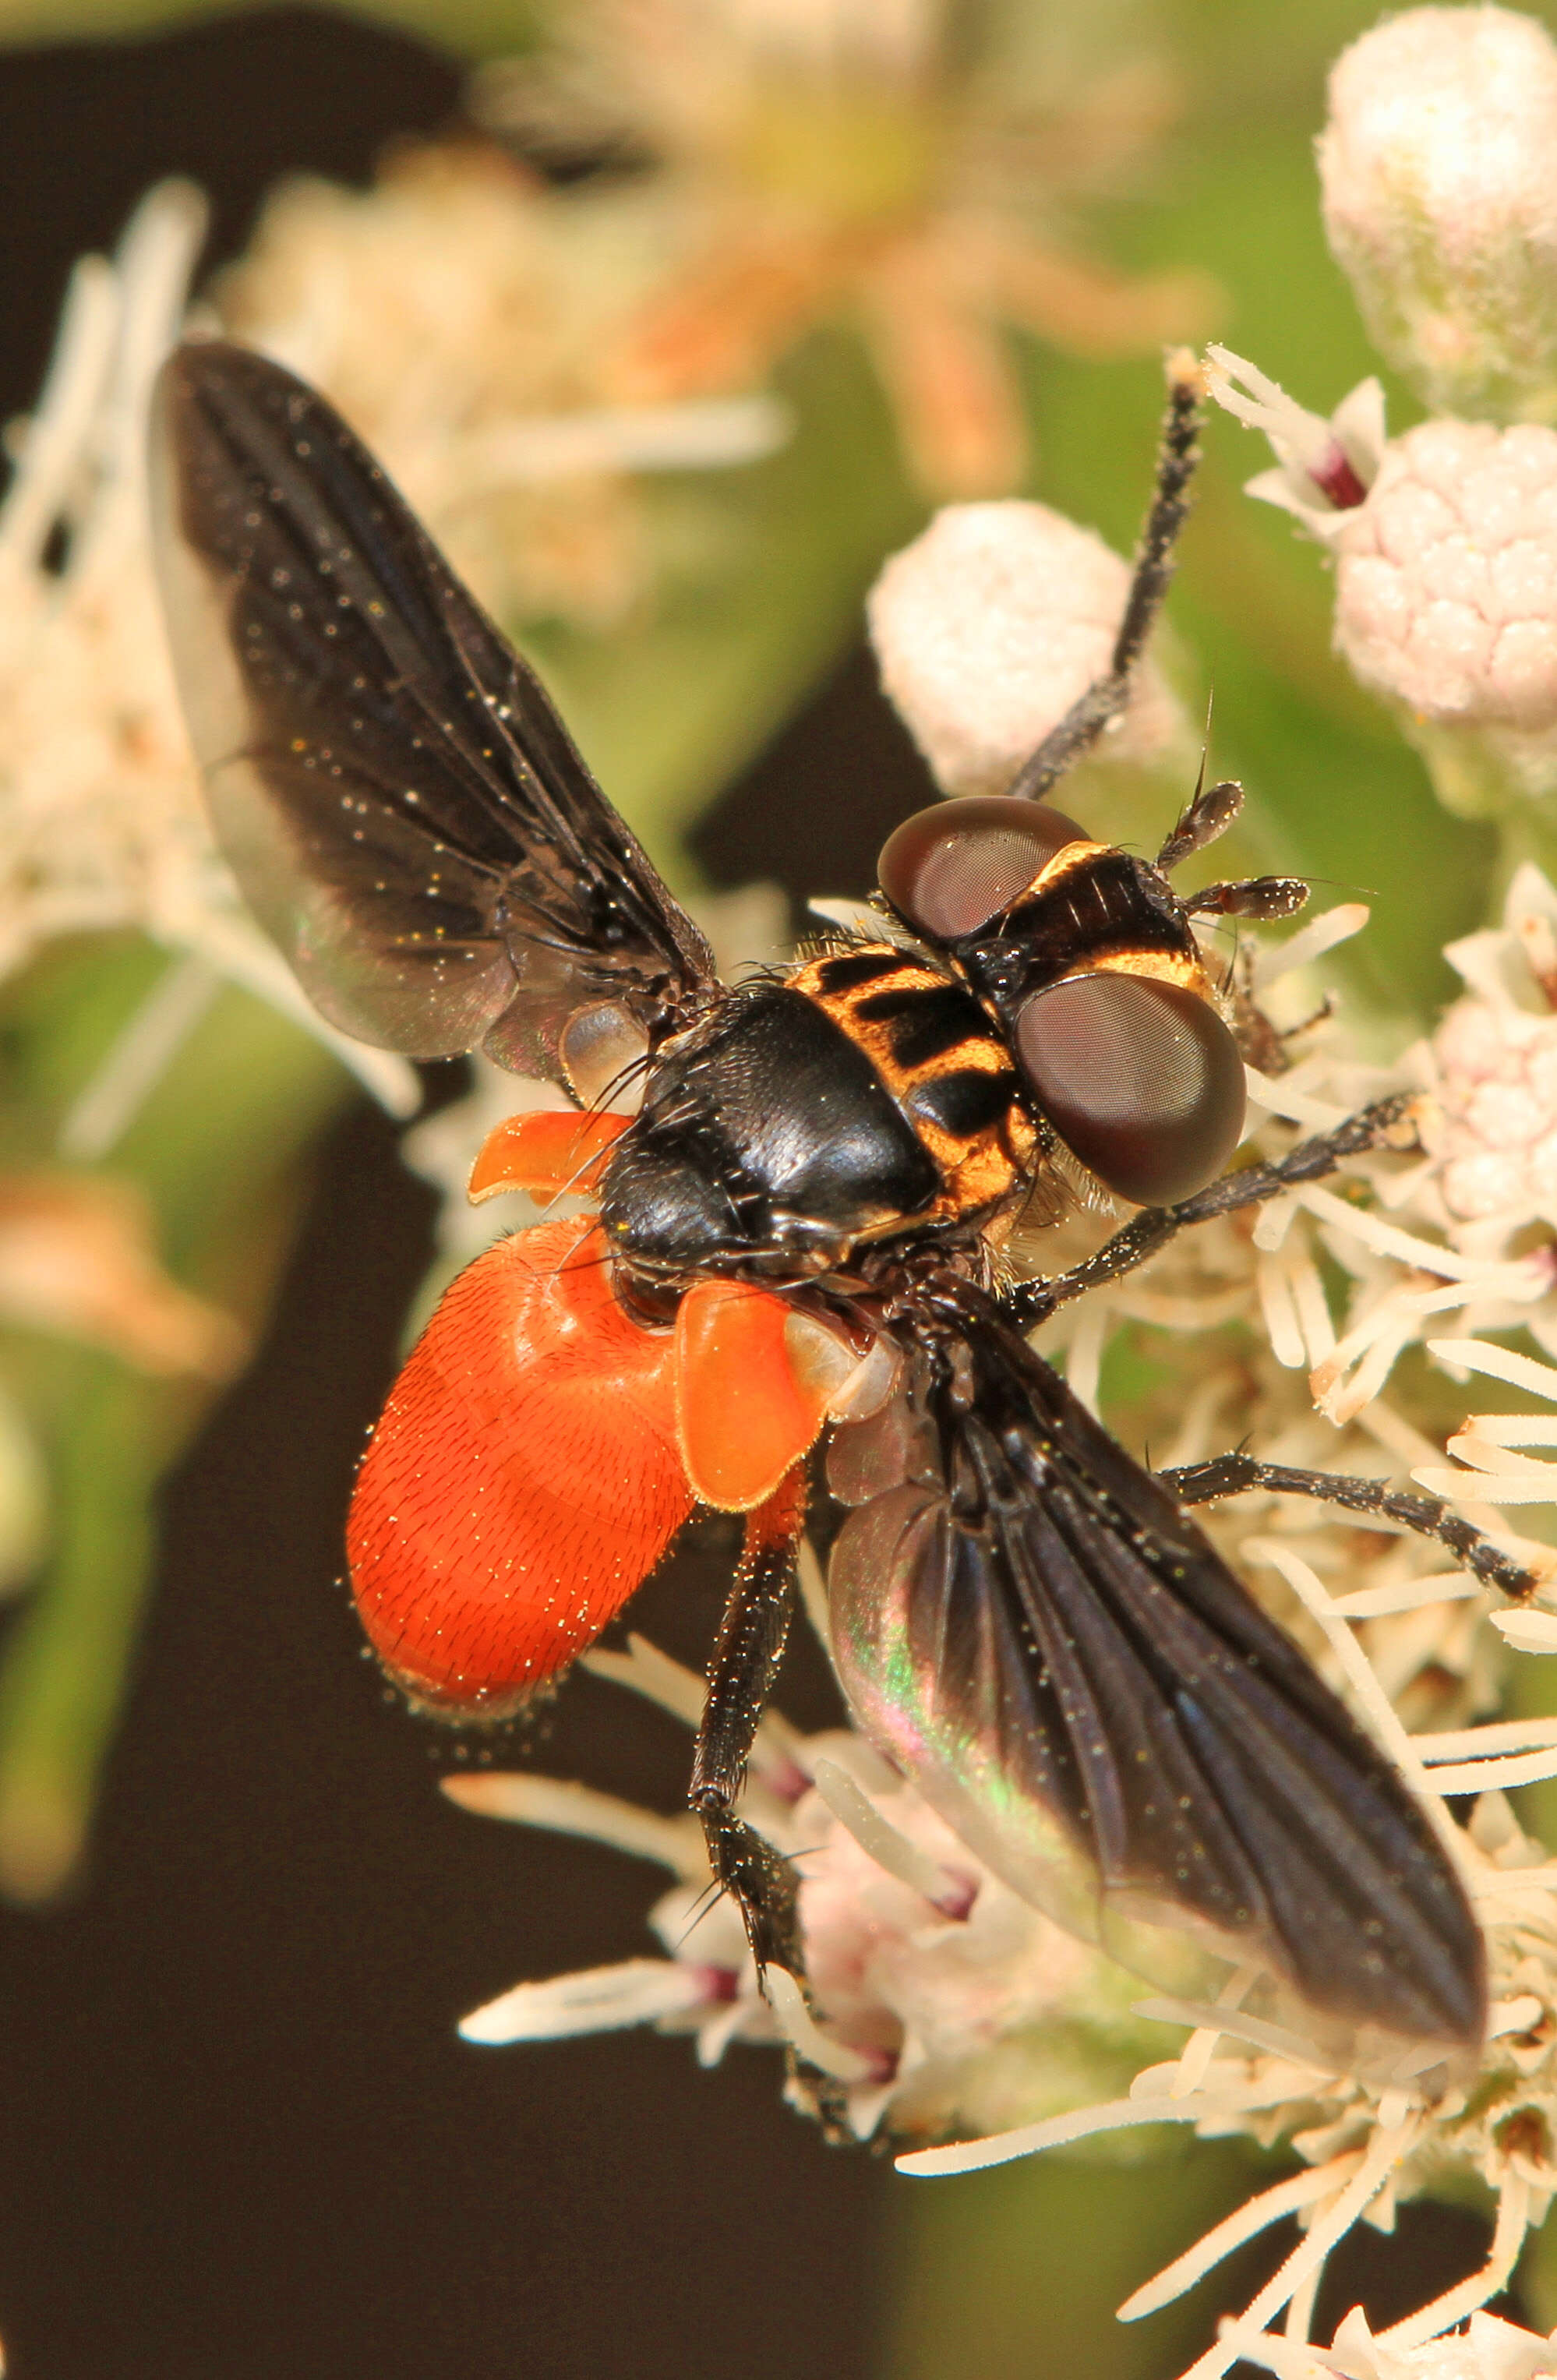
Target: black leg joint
[1232, 1474]
[741, 1675]
[1379, 1126]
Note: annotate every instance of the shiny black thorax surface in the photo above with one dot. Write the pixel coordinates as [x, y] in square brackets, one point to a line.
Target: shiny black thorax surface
[767, 1142]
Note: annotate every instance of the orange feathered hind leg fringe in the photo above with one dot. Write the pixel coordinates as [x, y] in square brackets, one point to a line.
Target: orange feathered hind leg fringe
[524, 1479]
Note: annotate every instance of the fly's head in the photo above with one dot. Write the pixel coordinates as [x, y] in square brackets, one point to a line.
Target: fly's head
[1087, 960]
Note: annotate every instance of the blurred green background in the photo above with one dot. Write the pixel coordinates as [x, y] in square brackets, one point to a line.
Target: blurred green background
[239, 2138]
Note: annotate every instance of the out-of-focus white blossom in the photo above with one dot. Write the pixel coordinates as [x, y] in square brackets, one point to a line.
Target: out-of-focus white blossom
[698, 79]
[100, 819]
[1445, 548]
[1485, 2350]
[460, 317]
[895, 163]
[1439, 203]
[102, 825]
[989, 627]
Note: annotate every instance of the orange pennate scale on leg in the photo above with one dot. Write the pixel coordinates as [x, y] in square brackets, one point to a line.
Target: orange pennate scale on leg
[524, 1479]
[755, 1379]
[551, 1152]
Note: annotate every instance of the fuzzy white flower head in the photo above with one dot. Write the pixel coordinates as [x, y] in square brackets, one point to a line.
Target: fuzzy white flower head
[990, 625]
[940, 2000]
[1485, 2350]
[1493, 1130]
[1446, 598]
[1441, 205]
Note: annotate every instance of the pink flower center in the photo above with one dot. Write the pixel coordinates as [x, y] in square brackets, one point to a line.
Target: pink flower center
[1336, 479]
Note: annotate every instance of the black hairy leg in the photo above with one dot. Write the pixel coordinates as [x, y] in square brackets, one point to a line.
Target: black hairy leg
[1386, 1124]
[1107, 696]
[1233, 1474]
[740, 1679]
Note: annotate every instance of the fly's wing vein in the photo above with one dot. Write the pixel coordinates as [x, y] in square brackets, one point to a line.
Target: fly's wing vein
[1060, 1660]
[401, 805]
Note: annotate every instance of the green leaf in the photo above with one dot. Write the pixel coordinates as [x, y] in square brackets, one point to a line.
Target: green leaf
[218, 1154]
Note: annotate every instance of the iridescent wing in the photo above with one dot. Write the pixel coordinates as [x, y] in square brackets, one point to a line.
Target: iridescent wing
[1059, 1660]
[402, 808]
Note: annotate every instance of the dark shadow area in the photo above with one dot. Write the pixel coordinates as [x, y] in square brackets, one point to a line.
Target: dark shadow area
[85, 129]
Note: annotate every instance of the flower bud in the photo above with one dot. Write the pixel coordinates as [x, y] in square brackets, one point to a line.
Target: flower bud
[1439, 204]
[990, 625]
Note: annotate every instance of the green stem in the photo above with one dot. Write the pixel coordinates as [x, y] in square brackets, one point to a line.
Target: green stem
[1004, 2275]
[64, 1672]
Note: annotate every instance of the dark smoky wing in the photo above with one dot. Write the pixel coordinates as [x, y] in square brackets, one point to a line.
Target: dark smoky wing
[1060, 1660]
[404, 809]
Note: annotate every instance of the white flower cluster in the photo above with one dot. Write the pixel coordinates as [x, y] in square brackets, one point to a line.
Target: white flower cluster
[1444, 542]
[946, 2003]
[1435, 167]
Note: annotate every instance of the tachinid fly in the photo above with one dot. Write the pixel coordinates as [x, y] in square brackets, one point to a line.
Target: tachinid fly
[799, 1187]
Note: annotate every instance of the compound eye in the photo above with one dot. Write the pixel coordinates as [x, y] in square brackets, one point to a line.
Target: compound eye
[1142, 1079]
[952, 868]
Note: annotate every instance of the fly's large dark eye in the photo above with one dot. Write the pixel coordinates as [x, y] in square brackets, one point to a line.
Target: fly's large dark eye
[952, 868]
[1141, 1079]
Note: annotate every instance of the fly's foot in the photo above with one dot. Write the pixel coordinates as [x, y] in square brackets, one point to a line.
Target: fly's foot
[762, 1885]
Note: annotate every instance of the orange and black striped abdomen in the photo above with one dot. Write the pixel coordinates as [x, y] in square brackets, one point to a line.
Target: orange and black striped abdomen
[943, 1064]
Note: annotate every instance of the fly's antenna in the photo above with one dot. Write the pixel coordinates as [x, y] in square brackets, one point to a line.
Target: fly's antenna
[1105, 699]
[1209, 812]
[1263, 898]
